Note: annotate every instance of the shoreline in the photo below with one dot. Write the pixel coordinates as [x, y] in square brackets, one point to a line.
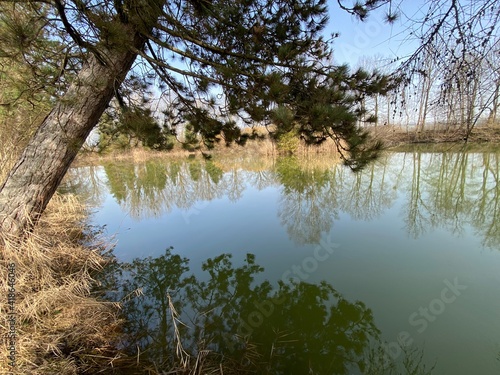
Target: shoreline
[394, 138]
[62, 325]
[67, 327]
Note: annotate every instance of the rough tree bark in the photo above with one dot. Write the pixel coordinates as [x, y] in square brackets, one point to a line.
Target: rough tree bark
[35, 177]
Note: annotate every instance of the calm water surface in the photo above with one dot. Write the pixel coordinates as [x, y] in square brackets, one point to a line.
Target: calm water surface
[292, 265]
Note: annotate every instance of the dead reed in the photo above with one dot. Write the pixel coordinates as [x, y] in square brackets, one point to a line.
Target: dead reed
[60, 326]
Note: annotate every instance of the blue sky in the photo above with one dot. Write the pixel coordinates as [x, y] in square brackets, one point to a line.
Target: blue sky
[373, 36]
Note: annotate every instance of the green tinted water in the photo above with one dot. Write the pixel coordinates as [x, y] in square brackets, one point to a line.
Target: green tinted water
[325, 270]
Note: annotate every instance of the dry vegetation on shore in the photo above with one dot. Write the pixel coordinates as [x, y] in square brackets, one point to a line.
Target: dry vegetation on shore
[61, 327]
[258, 147]
[393, 136]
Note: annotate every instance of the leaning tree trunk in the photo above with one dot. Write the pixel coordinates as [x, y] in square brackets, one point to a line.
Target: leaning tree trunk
[35, 177]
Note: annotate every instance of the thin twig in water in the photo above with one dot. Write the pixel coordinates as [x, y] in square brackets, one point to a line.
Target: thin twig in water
[181, 353]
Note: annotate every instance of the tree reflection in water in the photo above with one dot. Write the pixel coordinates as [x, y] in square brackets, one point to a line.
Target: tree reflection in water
[312, 197]
[239, 325]
[256, 327]
[449, 190]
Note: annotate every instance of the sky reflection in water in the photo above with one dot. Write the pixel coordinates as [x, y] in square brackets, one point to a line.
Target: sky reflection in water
[409, 249]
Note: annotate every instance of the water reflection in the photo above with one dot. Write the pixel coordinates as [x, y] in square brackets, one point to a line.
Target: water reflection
[452, 190]
[379, 277]
[447, 190]
[153, 188]
[312, 197]
[306, 207]
[238, 325]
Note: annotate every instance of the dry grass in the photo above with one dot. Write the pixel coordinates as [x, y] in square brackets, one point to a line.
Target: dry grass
[267, 147]
[61, 328]
[252, 148]
[135, 155]
[393, 136]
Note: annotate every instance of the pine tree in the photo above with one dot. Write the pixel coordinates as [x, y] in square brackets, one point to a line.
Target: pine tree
[30, 77]
[260, 57]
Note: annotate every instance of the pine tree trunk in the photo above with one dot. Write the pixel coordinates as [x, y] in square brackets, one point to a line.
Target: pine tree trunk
[35, 177]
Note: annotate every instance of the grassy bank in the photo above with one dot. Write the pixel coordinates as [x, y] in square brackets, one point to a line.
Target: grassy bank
[390, 136]
[253, 148]
[394, 136]
[60, 326]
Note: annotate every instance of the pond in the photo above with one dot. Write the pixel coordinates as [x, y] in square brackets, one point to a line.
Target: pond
[296, 266]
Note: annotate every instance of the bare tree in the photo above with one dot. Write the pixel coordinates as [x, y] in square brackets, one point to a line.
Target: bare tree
[459, 38]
